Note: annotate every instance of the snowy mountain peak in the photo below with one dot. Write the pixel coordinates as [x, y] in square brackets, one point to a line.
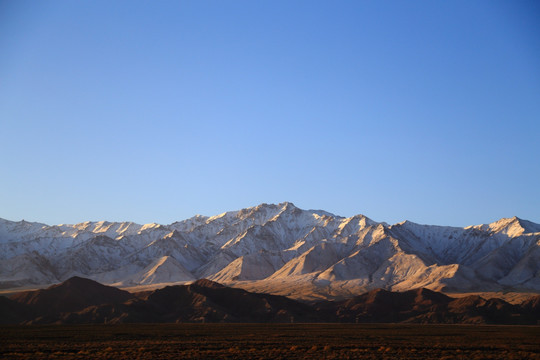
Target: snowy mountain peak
[287, 205]
[365, 221]
[517, 226]
[510, 227]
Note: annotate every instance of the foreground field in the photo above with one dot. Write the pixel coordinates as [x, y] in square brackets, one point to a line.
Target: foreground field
[269, 341]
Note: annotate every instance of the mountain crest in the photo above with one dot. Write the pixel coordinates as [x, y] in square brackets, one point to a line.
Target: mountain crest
[513, 227]
[78, 282]
[205, 283]
[280, 248]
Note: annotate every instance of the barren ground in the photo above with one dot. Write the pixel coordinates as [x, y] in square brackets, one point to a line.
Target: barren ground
[270, 341]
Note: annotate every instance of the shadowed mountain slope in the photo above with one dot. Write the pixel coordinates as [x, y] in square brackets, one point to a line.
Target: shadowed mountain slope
[11, 312]
[81, 301]
[73, 295]
[426, 306]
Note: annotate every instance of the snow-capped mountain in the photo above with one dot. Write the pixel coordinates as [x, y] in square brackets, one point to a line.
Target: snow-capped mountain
[280, 249]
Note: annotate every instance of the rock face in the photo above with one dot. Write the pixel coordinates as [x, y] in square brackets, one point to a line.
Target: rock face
[83, 301]
[278, 249]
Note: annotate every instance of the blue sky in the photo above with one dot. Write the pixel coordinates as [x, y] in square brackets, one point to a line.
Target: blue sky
[157, 111]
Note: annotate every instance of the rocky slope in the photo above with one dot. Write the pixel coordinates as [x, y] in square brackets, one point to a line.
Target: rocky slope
[277, 249]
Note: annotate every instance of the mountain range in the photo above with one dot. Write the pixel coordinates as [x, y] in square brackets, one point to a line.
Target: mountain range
[277, 249]
[84, 301]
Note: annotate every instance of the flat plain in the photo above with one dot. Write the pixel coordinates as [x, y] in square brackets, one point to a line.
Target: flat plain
[269, 341]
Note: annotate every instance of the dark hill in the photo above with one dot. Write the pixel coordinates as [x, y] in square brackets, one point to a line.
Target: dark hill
[385, 306]
[531, 307]
[72, 295]
[11, 312]
[426, 306]
[79, 300]
[475, 310]
[207, 301]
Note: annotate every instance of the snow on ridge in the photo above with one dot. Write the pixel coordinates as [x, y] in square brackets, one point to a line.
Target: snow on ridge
[509, 227]
[276, 244]
[14, 230]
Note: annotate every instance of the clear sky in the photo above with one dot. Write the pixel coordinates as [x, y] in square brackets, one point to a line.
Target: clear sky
[154, 111]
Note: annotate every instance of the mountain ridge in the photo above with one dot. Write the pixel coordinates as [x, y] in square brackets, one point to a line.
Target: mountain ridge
[277, 248]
